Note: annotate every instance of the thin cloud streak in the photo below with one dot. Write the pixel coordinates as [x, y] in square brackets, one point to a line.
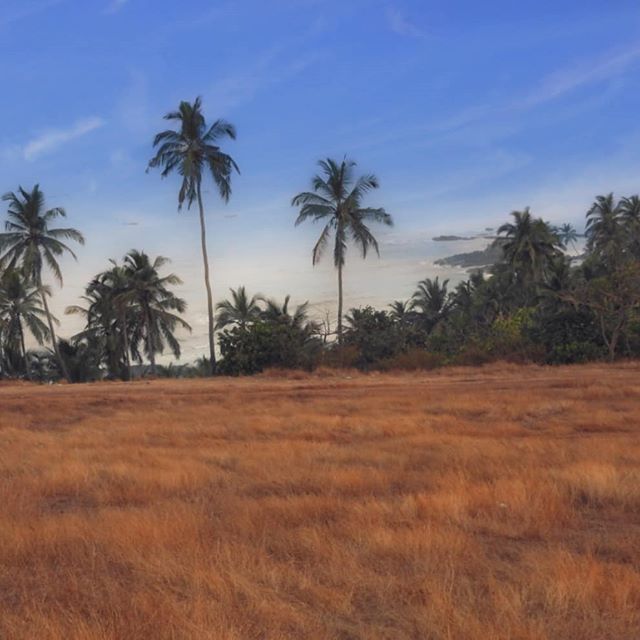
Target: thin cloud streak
[53, 139]
[401, 25]
[115, 6]
[27, 10]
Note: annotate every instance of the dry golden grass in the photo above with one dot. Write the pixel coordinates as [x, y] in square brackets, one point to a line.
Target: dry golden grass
[501, 503]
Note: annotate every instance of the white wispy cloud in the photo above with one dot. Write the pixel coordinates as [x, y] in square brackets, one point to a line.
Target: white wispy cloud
[55, 138]
[115, 6]
[10, 14]
[569, 79]
[271, 69]
[400, 24]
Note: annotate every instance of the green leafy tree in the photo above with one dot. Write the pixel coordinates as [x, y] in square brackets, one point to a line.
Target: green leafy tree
[193, 151]
[336, 201]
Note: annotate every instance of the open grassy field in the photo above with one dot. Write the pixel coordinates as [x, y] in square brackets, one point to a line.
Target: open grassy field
[466, 504]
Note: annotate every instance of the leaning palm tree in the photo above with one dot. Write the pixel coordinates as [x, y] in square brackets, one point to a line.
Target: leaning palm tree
[241, 310]
[20, 307]
[153, 308]
[193, 150]
[336, 200]
[29, 243]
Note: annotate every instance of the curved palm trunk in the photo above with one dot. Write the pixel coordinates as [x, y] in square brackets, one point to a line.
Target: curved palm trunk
[339, 304]
[207, 282]
[54, 341]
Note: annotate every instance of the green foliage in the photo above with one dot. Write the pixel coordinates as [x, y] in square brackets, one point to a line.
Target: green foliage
[374, 334]
[250, 349]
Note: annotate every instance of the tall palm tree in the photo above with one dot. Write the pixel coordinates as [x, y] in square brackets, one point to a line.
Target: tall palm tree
[336, 200]
[29, 243]
[20, 306]
[192, 151]
[241, 310]
[528, 245]
[153, 307]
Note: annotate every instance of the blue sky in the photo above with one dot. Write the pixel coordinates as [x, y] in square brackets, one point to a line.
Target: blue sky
[465, 110]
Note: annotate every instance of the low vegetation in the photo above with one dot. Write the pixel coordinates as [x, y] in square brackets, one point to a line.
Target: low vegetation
[331, 505]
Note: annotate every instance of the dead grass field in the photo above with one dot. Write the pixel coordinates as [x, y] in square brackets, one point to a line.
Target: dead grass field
[496, 503]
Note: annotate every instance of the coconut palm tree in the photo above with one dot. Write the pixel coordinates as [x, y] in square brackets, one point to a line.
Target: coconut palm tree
[192, 151]
[107, 319]
[528, 245]
[432, 301]
[153, 309]
[401, 310]
[20, 306]
[299, 319]
[630, 211]
[241, 310]
[605, 227]
[336, 201]
[567, 234]
[29, 243]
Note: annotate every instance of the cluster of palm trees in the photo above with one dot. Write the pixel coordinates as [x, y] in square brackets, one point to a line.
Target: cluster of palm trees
[242, 310]
[132, 315]
[579, 300]
[29, 246]
[130, 312]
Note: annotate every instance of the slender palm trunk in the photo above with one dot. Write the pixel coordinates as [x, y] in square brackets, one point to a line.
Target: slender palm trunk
[24, 350]
[54, 341]
[207, 282]
[150, 345]
[125, 346]
[340, 304]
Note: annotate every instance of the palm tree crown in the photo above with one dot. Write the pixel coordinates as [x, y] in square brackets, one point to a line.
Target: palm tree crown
[604, 228]
[528, 245]
[193, 150]
[241, 310]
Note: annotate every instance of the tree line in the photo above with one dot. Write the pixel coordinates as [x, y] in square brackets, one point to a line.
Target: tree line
[539, 302]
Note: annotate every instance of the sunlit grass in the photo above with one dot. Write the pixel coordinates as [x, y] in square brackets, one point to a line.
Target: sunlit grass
[479, 504]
